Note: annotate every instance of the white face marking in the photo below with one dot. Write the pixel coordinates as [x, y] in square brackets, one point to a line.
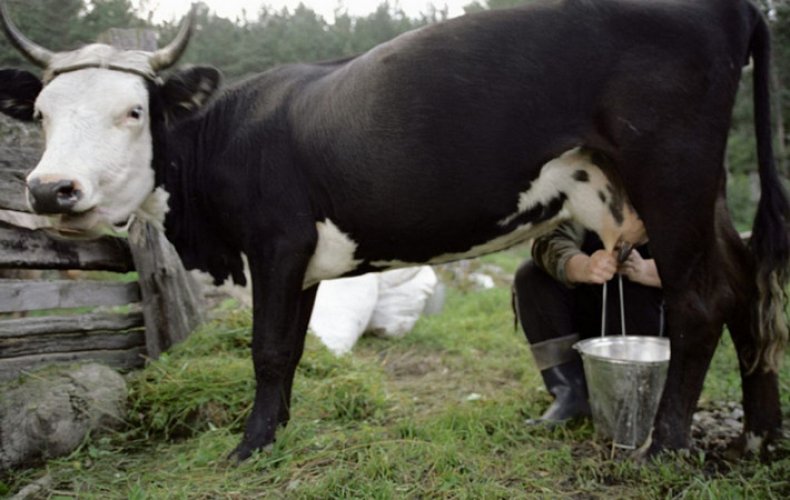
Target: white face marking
[333, 257]
[98, 135]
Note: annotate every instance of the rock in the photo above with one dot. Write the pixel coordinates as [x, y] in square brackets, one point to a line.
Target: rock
[50, 413]
[473, 275]
[715, 426]
[435, 303]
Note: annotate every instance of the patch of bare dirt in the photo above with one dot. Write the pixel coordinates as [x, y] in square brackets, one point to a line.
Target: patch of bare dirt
[406, 365]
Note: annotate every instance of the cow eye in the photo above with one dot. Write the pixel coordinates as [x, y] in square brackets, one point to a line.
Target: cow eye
[136, 113]
[37, 116]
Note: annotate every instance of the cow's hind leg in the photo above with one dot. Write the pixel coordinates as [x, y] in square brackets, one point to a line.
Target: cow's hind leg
[721, 288]
[762, 410]
[761, 406]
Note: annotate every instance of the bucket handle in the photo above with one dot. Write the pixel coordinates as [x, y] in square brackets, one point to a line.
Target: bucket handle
[622, 306]
[661, 318]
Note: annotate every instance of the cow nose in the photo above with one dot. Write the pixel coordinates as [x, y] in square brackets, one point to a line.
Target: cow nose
[57, 197]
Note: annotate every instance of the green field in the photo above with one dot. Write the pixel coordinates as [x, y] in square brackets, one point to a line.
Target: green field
[437, 414]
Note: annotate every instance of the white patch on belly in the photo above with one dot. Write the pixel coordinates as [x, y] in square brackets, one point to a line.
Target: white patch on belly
[333, 257]
[243, 294]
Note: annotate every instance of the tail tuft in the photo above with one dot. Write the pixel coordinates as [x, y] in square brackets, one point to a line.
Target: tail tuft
[770, 241]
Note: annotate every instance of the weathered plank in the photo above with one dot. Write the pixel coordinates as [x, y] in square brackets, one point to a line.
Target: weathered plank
[15, 163]
[121, 359]
[36, 249]
[171, 305]
[26, 295]
[24, 220]
[12, 190]
[24, 327]
[13, 347]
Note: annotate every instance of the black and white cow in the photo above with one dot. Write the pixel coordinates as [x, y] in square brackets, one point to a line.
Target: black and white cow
[447, 142]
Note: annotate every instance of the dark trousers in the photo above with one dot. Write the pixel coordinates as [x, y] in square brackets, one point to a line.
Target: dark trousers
[548, 310]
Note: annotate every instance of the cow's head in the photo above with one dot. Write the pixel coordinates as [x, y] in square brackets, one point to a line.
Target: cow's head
[94, 105]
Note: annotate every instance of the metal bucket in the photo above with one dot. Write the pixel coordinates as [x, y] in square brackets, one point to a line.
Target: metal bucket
[625, 379]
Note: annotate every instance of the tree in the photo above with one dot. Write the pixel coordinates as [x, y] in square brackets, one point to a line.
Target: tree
[101, 15]
[477, 6]
[385, 23]
[46, 22]
[781, 45]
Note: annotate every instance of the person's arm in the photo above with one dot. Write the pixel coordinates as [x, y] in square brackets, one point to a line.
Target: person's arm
[595, 269]
[559, 254]
[640, 270]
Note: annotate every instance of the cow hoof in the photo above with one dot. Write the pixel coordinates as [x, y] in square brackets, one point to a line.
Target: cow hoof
[241, 453]
[750, 445]
[640, 455]
[245, 450]
[653, 449]
[645, 452]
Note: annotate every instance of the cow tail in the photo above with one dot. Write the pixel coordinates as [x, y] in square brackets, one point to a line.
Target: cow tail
[770, 242]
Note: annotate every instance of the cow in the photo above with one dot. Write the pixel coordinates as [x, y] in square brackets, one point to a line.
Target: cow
[450, 141]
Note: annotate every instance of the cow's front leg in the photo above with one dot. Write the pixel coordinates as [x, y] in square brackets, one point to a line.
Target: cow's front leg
[281, 310]
[306, 303]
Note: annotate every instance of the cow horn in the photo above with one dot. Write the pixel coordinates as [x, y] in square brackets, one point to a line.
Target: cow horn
[167, 56]
[35, 53]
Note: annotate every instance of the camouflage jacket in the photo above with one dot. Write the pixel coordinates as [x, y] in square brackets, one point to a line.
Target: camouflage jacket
[551, 251]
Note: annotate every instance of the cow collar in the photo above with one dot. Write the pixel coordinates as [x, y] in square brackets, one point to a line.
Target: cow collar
[148, 75]
[102, 56]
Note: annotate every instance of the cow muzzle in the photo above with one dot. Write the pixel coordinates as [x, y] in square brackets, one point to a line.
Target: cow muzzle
[54, 197]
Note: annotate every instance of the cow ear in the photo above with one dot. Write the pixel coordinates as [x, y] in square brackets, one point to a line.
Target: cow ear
[18, 92]
[187, 90]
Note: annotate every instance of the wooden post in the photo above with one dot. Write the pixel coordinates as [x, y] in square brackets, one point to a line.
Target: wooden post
[171, 304]
[129, 39]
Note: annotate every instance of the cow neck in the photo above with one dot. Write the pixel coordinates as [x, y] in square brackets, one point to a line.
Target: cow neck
[183, 157]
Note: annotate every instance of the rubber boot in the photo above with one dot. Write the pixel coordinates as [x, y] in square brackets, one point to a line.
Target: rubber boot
[562, 371]
[567, 384]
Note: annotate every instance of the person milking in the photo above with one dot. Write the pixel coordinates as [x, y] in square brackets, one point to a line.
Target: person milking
[558, 301]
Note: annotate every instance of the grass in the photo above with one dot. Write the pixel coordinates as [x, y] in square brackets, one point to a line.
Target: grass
[438, 413]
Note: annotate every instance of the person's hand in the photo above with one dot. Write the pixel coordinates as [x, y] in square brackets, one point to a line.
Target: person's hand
[596, 269]
[640, 270]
